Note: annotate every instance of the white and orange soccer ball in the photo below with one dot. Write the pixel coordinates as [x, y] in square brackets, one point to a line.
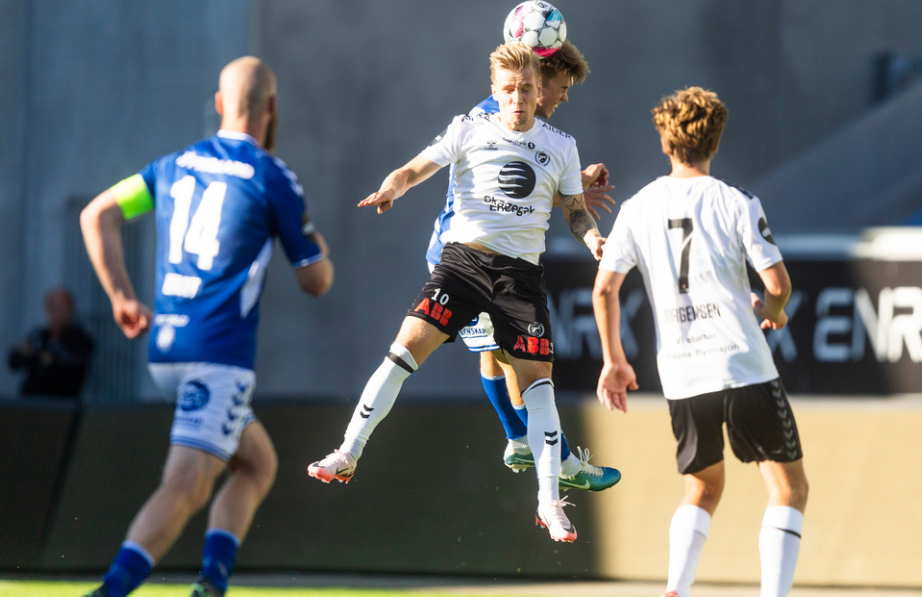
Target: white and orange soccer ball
[537, 24]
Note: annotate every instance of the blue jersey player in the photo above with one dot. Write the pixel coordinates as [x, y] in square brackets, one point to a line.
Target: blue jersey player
[219, 204]
[558, 72]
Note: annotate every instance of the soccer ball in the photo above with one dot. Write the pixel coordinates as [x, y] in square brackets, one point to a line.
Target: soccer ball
[536, 24]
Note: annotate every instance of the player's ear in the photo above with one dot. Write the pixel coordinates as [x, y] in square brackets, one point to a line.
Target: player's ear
[664, 145]
[271, 104]
[219, 103]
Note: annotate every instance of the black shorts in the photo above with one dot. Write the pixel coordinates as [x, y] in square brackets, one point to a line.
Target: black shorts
[467, 282]
[760, 425]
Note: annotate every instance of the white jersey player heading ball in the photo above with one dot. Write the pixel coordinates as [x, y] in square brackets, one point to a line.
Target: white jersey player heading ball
[512, 165]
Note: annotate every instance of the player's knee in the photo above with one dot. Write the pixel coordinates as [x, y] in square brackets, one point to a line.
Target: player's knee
[259, 462]
[793, 490]
[193, 491]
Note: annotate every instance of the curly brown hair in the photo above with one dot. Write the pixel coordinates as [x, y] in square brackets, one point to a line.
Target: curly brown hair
[691, 121]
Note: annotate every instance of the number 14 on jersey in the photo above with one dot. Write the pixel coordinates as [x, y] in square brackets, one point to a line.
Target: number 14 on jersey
[198, 235]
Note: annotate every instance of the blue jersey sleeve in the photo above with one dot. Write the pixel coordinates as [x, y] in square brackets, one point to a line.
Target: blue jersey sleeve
[149, 174]
[286, 196]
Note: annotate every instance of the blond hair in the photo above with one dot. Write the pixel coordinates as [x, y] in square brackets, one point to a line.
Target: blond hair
[691, 121]
[567, 60]
[514, 56]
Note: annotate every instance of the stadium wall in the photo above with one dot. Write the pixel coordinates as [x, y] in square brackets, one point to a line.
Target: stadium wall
[461, 511]
[364, 85]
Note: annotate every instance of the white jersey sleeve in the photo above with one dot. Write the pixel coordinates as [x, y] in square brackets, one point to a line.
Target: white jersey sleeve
[446, 148]
[756, 236]
[618, 254]
[571, 180]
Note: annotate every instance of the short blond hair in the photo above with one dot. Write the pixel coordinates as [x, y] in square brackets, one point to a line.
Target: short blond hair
[691, 121]
[567, 60]
[514, 56]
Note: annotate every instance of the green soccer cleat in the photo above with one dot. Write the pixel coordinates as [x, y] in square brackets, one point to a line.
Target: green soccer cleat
[517, 461]
[589, 476]
[203, 588]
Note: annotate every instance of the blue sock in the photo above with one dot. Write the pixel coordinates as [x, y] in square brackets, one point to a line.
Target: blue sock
[131, 566]
[522, 412]
[564, 446]
[499, 398]
[219, 556]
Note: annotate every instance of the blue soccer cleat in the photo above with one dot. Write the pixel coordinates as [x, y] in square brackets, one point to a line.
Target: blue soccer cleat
[591, 477]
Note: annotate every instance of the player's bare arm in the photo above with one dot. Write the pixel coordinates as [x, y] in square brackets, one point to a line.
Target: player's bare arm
[595, 189]
[101, 222]
[581, 224]
[399, 182]
[595, 174]
[777, 292]
[617, 375]
[317, 278]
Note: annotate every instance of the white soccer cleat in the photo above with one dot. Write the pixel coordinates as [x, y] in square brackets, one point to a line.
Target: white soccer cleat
[551, 517]
[336, 465]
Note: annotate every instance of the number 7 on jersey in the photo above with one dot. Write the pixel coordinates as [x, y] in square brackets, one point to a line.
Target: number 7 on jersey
[687, 227]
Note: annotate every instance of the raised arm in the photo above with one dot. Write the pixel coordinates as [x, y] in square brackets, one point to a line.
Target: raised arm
[581, 224]
[595, 190]
[617, 375]
[777, 292]
[400, 181]
[101, 223]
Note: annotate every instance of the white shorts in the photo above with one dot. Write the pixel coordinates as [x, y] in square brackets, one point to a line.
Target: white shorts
[212, 404]
[478, 334]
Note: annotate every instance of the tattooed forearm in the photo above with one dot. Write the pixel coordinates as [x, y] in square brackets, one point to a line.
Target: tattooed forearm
[578, 218]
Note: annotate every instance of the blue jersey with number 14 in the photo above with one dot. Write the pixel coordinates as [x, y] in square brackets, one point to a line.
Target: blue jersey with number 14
[219, 204]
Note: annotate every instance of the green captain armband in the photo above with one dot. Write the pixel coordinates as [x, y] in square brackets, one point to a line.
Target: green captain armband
[133, 197]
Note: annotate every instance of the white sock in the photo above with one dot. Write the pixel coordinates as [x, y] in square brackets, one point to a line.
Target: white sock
[570, 466]
[520, 444]
[687, 534]
[378, 397]
[779, 544]
[544, 437]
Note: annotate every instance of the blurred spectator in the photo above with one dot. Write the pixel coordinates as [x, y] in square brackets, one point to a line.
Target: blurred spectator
[55, 357]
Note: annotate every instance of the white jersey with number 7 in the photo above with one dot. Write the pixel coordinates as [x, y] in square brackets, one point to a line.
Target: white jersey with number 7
[691, 239]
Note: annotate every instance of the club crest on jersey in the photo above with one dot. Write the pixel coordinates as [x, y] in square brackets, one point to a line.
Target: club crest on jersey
[193, 395]
[517, 180]
[491, 144]
[542, 158]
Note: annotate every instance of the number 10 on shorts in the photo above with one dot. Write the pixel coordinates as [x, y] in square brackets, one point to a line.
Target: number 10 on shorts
[435, 307]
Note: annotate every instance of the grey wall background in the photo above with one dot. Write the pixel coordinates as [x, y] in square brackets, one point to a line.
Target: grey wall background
[90, 92]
